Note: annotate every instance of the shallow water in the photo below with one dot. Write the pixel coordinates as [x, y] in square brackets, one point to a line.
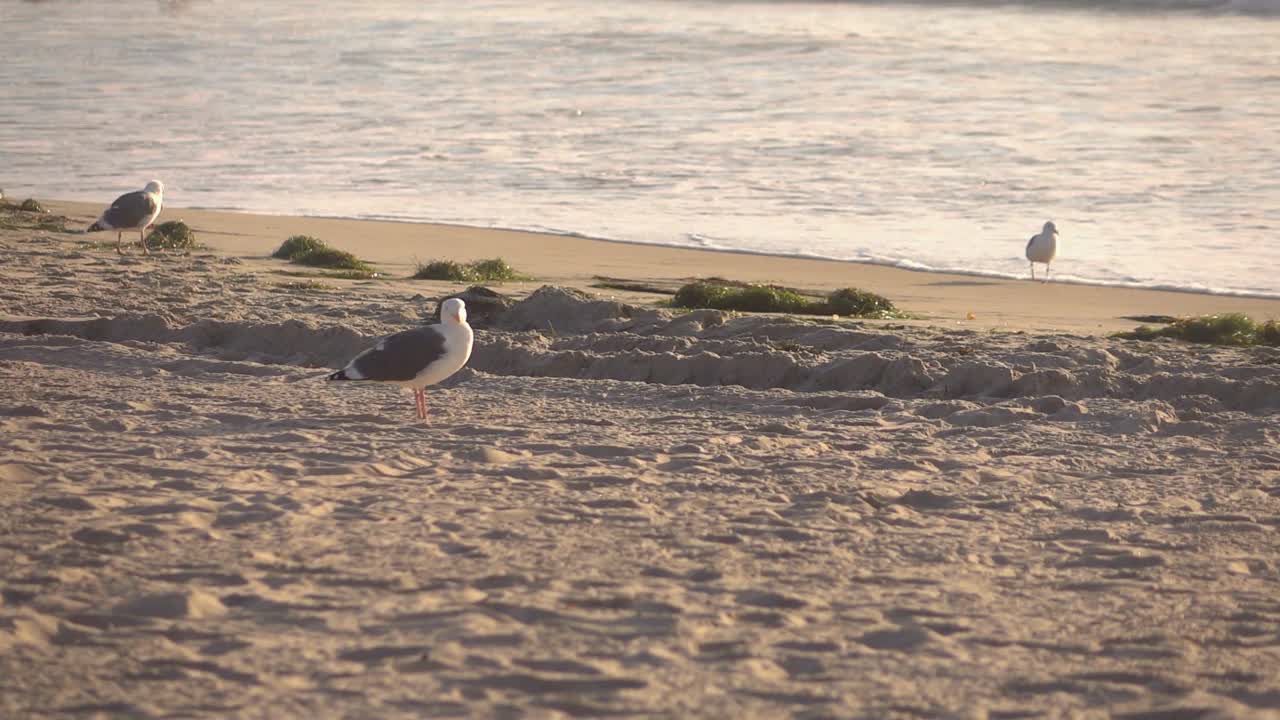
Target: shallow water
[926, 136]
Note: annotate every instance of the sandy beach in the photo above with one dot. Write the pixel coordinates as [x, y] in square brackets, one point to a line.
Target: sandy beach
[618, 508]
[941, 299]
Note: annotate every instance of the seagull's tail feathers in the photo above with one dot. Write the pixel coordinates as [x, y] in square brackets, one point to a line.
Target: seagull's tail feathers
[340, 375]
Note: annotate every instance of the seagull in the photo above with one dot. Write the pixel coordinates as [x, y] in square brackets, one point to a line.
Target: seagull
[417, 358]
[1041, 248]
[132, 211]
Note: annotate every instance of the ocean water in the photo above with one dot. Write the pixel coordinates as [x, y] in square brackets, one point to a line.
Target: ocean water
[932, 136]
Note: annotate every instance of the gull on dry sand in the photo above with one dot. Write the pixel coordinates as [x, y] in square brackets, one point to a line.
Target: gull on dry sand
[417, 358]
[132, 211]
[1041, 248]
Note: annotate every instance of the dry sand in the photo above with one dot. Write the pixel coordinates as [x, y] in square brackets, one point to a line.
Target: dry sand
[644, 513]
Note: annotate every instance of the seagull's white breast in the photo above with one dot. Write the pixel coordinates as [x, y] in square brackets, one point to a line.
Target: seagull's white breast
[458, 339]
[1043, 247]
[152, 217]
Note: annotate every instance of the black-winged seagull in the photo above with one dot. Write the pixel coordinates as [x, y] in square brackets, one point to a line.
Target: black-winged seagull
[133, 211]
[1041, 249]
[417, 358]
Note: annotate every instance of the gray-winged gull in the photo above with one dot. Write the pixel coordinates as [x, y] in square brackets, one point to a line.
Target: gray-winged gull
[417, 358]
[133, 211]
[1042, 247]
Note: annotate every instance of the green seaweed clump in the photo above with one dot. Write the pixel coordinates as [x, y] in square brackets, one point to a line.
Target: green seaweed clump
[29, 215]
[172, 235]
[719, 294]
[314, 252]
[494, 270]
[744, 298]
[331, 257]
[860, 303]
[1234, 329]
[297, 246]
[1269, 333]
[442, 270]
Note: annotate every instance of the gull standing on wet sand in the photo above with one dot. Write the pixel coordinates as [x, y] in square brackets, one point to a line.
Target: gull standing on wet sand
[133, 211]
[1041, 249]
[417, 358]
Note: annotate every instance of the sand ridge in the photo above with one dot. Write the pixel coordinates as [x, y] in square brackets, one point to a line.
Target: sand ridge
[641, 512]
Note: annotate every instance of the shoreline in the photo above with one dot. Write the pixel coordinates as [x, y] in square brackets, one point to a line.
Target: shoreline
[887, 263]
[945, 299]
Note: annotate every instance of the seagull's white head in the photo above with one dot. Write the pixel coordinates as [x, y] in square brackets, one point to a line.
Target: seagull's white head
[1050, 228]
[453, 311]
[155, 187]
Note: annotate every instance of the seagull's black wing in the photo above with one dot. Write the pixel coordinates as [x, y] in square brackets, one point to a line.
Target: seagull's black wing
[398, 358]
[129, 210]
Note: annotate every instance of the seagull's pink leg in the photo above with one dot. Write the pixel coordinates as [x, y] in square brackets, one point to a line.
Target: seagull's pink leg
[142, 240]
[119, 240]
[421, 400]
[1033, 271]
